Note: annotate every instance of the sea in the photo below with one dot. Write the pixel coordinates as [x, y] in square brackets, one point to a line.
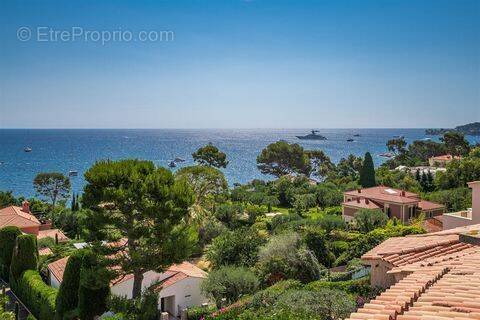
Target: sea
[65, 150]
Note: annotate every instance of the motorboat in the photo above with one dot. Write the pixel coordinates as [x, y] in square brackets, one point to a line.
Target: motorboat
[172, 164]
[27, 149]
[312, 136]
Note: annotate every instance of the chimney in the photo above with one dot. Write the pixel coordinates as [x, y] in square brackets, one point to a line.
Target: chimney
[359, 190]
[26, 206]
[367, 201]
[403, 193]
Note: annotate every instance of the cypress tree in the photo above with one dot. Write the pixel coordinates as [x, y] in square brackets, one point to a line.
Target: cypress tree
[67, 298]
[8, 235]
[24, 257]
[73, 205]
[94, 287]
[367, 172]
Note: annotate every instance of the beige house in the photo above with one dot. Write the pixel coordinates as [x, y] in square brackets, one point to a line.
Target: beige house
[442, 161]
[397, 203]
[465, 217]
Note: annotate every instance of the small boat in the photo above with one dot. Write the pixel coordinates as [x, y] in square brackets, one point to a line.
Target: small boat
[427, 139]
[356, 135]
[312, 136]
[398, 137]
[27, 149]
[350, 140]
[386, 155]
[172, 164]
[73, 173]
[179, 160]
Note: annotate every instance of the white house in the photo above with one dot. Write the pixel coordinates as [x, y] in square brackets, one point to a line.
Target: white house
[178, 287]
[467, 217]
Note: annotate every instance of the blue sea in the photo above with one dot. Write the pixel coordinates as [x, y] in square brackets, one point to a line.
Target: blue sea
[76, 149]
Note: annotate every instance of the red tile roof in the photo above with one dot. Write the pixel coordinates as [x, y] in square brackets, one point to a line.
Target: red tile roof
[445, 157]
[15, 216]
[361, 203]
[44, 252]
[388, 194]
[50, 233]
[441, 278]
[425, 205]
[57, 268]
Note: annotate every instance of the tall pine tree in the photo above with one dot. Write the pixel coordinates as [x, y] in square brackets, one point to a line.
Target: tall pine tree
[367, 173]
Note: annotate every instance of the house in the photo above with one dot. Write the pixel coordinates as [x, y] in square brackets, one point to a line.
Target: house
[442, 161]
[178, 287]
[465, 217]
[401, 204]
[23, 218]
[430, 276]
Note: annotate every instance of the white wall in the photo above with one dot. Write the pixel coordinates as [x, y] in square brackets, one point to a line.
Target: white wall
[187, 293]
[53, 281]
[124, 288]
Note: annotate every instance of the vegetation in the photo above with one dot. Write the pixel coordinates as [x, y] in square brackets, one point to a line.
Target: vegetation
[53, 186]
[209, 155]
[367, 173]
[24, 257]
[8, 236]
[67, 298]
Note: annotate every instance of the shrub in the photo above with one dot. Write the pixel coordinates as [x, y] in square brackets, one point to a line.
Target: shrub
[239, 247]
[94, 287]
[67, 298]
[229, 283]
[198, 313]
[285, 257]
[368, 219]
[359, 287]
[24, 257]
[280, 219]
[210, 229]
[36, 294]
[315, 240]
[336, 211]
[268, 296]
[8, 235]
[332, 222]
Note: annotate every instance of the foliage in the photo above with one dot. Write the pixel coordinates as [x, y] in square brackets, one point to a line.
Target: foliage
[367, 173]
[209, 155]
[197, 313]
[133, 199]
[8, 236]
[269, 296]
[320, 163]
[209, 229]
[455, 143]
[70, 222]
[229, 283]
[93, 287]
[143, 308]
[397, 145]
[4, 314]
[53, 186]
[328, 195]
[8, 199]
[349, 168]
[286, 257]
[459, 173]
[359, 287]
[67, 298]
[281, 158]
[24, 257]
[36, 294]
[454, 199]
[229, 214]
[281, 219]
[331, 222]
[367, 220]
[316, 240]
[239, 247]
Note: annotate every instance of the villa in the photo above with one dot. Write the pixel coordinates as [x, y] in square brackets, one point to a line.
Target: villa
[430, 276]
[23, 218]
[178, 287]
[397, 203]
[442, 161]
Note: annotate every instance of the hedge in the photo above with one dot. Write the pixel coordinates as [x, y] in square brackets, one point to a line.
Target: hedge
[24, 257]
[358, 287]
[8, 235]
[67, 298]
[37, 295]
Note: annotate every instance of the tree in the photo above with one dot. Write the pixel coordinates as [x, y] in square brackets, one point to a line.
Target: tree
[455, 143]
[397, 145]
[67, 298]
[320, 163]
[316, 240]
[134, 200]
[239, 247]
[209, 155]
[281, 158]
[208, 184]
[24, 257]
[53, 186]
[367, 173]
[229, 283]
[7, 199]
[8, 236]
[349, 167]
[367, 220]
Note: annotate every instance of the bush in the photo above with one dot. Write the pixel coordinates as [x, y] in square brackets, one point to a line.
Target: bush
[332, 222]
[8, 235]
[25, 256]
[368, 219]
[281, 219]
[359, 287]
[229, 283]
[285, 257]
[315, 240]
[268, 296]
[210, 229]
[36, 294]
[67, 298]
[239, 247]
[198, 313]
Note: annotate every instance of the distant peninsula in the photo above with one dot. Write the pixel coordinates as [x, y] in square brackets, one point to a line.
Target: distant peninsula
[471, 129]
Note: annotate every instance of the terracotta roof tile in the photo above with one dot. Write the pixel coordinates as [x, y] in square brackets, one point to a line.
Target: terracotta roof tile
[50, 233]
[383, 193]
[14, 216]
[361, 204]
[57, 268]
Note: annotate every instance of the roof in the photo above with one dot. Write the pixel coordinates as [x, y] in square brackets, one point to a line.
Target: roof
[57, 268]
[50, 233]
[441, 278]
[425, 205]
[445, 157]
[433, 225]
[15, 216]
[361, 203]
[383, 193]
[44, 252]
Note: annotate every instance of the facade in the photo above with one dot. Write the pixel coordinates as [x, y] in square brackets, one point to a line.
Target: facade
[178, 287]
[430, 276]
[442, 161]
[401, 204]
[466, 217]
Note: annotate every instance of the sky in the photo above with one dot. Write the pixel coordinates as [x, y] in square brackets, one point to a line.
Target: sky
[239, 64]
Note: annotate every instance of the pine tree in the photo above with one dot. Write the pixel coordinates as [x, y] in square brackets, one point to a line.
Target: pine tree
[367, 172]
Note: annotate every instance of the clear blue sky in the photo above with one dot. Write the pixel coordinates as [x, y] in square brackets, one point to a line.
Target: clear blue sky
[243, 64]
